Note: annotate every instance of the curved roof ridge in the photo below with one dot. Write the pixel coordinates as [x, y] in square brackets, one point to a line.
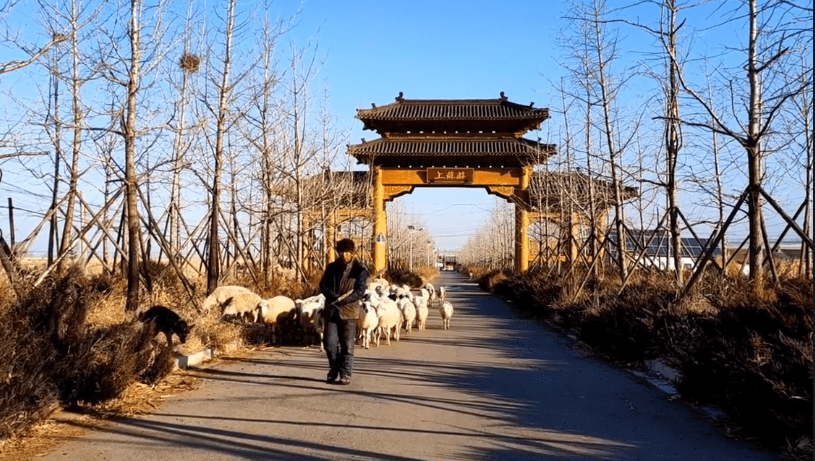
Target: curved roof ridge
[428, 109]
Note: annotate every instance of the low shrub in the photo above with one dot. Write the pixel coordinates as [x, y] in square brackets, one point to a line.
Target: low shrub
[749, 352]
[52, 356]
[400, 277]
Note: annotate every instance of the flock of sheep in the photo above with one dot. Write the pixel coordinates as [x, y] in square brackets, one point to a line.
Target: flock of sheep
[385, 311]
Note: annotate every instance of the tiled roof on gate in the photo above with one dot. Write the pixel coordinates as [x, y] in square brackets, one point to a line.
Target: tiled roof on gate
[450, 151]
[462, 115]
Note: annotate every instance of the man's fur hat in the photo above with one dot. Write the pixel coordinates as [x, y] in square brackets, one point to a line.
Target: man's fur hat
[346, 245]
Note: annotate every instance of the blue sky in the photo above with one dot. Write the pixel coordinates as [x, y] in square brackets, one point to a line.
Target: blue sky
[434, 50]
[372, 50]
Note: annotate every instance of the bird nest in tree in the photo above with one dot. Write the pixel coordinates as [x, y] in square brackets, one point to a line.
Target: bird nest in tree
[190, 62]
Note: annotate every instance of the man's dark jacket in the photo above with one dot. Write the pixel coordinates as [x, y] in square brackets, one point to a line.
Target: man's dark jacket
[333, 285]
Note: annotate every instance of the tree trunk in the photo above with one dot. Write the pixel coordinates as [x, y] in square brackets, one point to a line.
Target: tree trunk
[213, 258]
[673, 142]
[76, 145]
[133, 224]
[605, 101]
[753, 148]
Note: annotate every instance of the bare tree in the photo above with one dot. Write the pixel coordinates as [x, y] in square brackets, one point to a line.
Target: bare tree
[799, 121]
[224, 89]
[75, 23]
[262, 125]
[772, 32]
[34, 52]
[133, 224]
[600, 53]
[301, 155]
[189, 63]
[130, 65]
[53, 125]
[667, 34]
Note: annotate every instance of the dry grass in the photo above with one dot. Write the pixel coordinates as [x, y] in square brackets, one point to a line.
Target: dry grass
[60, 426]
[51, 356]
[427, 273]
[69, 343]
[742, 346]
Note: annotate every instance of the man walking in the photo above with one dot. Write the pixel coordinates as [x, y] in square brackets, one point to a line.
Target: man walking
[343, 285]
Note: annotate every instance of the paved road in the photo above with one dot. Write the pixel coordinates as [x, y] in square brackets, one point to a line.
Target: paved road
[494, 387]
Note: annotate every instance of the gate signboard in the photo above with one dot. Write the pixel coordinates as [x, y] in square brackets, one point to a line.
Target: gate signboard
[450, 175]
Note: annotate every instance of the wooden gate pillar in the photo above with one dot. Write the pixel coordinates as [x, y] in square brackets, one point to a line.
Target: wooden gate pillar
[330, 236]
[522, 220]
[521, 238]
[379, 244]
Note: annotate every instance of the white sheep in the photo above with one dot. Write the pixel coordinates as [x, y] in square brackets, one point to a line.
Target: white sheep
[424, 293]
[367, 323]
[306, 310]
[221, 295]
[378, 284]
[408, 312]
[446, 311]
[377, 289]
[244, 306]
[442, 295]
[390, 320]
[278, 312]
[431, 291]
[422, 311]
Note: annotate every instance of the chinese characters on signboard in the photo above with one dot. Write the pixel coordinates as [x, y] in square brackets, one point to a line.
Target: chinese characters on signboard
[450, 175]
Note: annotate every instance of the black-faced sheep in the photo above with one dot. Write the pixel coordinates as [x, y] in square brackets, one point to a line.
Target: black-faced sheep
[367, 323]
[390, 320]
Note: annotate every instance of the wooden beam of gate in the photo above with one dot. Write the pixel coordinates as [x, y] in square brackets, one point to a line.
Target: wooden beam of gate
[459, 177]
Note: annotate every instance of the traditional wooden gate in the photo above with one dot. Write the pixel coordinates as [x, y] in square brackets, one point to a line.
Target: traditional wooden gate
[451, 143]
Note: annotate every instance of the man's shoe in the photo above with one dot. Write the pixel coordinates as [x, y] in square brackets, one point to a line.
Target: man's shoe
[345, 380]
[332, 376]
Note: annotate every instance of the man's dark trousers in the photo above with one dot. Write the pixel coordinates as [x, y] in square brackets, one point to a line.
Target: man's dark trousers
[339, 344]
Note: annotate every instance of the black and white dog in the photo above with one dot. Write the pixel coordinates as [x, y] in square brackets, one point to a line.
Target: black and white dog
[164, 320]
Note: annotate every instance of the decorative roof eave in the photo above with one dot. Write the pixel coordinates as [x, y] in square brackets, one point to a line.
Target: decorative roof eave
[450, 151]
[411, 114]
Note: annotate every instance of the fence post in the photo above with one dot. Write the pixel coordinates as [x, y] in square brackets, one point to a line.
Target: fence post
[11, 222]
